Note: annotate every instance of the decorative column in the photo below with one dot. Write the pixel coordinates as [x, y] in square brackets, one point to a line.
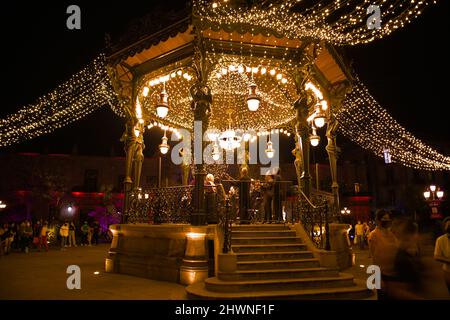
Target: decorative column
[298, 159]
[301, 107]
[129, 140]
[138, 157]
[201, 106]
[202, 99]
[333, 154]
[336, 96]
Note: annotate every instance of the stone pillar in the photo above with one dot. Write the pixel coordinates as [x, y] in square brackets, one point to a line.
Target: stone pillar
[194, 266]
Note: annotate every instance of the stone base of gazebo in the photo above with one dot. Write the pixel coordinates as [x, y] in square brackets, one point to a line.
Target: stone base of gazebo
[178, 253]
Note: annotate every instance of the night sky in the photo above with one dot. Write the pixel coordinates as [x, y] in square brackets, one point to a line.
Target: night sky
[406, 72]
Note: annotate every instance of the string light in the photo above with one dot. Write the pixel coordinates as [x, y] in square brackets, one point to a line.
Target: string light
[338, 22]
[365, 122]
[82, 94]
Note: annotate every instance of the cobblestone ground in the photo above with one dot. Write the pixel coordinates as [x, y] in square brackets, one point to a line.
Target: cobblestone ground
[42, 276]
[434, 284]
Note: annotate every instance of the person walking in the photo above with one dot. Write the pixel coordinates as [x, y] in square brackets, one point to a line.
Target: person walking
[442, 251]
[72, 240]
[359, 235]
[64, 233]
[407, 281]
[84, 234]
[383, 249]
[43, 237]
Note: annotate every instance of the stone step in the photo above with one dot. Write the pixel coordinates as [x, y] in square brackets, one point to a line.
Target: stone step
[260, 227]
[278, 264]
[288, 255]
[217, 285]
[261, 240]
[358, 291]
[268, 248]
[263, 233]
[269, 274]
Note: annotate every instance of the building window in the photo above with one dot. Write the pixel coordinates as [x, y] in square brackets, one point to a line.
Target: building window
[90, 180]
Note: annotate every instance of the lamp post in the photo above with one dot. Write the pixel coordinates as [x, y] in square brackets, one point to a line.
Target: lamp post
[345, 212]
[433, 195]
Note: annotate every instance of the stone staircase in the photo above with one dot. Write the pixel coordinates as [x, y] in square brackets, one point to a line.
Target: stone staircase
[273, 263]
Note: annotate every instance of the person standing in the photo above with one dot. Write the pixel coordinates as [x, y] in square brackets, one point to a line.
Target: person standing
[244, 196]
[72, 240]
[43, 237]
[277, 201]
[27, 235]
[89, 235]
[6, 238]
[64, 233]
[95, 232]
[84, 234]
[268, 196]
[383, 249]
[210, 199]
[359, 235]
[442, 251]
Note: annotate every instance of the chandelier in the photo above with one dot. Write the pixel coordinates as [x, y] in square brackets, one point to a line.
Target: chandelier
[229, 139]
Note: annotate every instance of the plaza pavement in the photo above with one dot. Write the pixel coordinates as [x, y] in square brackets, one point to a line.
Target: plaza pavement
[42, 276]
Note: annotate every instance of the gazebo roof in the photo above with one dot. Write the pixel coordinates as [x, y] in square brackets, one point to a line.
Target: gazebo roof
[170, 45]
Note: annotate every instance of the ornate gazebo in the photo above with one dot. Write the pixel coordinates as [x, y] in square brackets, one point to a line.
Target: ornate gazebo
[195, 69]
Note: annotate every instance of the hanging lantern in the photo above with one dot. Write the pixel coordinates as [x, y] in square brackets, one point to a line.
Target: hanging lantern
[314, 139]
[319, 116]
[270, 152]
[162, 108]
[216, 152]
[164, 146]
[387, 156]
[253, 99]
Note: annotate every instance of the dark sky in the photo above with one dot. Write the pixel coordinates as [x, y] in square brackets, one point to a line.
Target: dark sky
[406, 72]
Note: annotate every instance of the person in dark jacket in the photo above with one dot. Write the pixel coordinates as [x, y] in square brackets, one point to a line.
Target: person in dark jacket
[244, 196]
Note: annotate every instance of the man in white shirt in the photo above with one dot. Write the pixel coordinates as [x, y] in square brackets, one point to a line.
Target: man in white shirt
[442, 251]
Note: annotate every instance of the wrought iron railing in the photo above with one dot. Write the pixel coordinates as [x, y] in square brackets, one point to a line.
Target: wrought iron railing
[226, 218]
[161, 205]
[314, 215]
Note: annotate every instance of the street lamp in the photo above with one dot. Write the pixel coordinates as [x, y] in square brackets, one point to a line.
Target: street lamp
[2, 205]
[345, 211]
[433, 193]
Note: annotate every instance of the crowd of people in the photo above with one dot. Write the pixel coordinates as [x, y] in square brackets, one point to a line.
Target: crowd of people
[395, 249]
[25, 236]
